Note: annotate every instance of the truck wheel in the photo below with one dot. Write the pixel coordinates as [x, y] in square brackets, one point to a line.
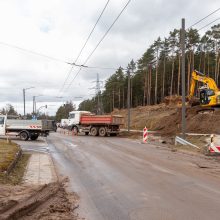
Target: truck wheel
[34, 137]
[102, 132]
[94, 131]
[24, 136]
[75, 130]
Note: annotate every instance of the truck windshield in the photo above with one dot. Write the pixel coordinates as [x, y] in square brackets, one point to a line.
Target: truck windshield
[2, 119]
[72, 115]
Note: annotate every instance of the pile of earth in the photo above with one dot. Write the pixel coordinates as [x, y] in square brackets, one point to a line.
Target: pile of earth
[166, 119]
[50, 201]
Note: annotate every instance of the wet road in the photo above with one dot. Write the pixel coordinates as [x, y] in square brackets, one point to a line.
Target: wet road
[118, 178]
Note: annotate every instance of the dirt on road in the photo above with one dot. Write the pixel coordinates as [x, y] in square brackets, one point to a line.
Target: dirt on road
[50, 201]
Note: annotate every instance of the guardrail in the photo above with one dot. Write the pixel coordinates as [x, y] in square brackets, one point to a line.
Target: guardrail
[184, 142]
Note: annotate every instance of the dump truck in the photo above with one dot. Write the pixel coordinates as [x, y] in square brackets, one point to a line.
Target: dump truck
[25, 129]
[95, 125]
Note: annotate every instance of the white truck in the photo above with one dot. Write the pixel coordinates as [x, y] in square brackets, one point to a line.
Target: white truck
[64, 123]
[25, 129]
[95, 125]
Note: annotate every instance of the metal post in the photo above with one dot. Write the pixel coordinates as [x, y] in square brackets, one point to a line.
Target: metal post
[128, 99]
[24, 100]
[183, 79]
[33, 104]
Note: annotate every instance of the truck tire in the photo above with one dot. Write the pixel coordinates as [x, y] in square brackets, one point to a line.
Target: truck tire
[102, 132]
[94, 131]
[24, 136]
[34, 137]
[75, 130]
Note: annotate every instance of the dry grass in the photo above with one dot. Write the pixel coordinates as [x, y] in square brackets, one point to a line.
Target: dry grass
[16, 176]
[8, 152]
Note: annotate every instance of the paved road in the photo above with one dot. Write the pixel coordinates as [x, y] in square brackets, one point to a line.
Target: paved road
[118, 178]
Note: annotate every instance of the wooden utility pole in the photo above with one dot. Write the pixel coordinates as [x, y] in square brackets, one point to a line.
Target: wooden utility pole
[182, 40]
[129, 99]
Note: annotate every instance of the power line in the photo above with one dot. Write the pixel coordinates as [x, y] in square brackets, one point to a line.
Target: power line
[204, 18]
[52, 58]
[84, 45]
[32, 52]
[103, 37]
[106, 32]
[208, 24]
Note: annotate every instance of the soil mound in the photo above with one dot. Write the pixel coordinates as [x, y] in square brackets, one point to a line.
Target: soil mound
[166, 119]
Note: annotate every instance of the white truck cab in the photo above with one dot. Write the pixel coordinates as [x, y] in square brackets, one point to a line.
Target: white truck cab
[2, 124]
[74, 118]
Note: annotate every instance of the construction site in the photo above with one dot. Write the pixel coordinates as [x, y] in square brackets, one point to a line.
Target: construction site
[131, 131]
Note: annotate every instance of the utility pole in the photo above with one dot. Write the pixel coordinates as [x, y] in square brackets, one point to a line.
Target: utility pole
[24, 90]
[182, 40]
[24, 100]
[33, 104]
[129, 99]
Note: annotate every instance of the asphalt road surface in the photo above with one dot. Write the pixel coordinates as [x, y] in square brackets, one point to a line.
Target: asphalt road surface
[121, 179]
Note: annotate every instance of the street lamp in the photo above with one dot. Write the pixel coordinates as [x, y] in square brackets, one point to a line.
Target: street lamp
[24, 89]
[38, 110]
[34, 102]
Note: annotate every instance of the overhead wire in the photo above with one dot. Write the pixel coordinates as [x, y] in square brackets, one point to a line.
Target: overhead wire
[208, 24]
[33, 52]
[200, 20]
[103, 37]
[84, 45]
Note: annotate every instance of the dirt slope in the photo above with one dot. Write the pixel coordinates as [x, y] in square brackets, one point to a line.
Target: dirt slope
[166, 119]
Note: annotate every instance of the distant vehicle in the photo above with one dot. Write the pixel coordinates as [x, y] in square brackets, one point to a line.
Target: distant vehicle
[25, 129]
[95, 125]
[64, 123]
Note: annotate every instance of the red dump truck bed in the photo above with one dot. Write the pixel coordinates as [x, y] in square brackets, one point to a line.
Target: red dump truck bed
[101, 119]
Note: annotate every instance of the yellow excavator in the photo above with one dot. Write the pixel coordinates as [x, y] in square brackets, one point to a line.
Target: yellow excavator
[209, 94]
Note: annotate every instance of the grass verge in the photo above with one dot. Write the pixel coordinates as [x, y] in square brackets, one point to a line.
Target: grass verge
[8, 152]
[16, 175]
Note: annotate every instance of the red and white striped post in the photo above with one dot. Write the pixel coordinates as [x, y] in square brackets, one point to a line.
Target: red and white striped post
[145, 135]
[212, 147]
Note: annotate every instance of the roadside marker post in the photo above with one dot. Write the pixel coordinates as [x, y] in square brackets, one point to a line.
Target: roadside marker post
[212, 147]
[145, 135]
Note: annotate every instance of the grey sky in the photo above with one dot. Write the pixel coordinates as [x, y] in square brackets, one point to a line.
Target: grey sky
[58, 28]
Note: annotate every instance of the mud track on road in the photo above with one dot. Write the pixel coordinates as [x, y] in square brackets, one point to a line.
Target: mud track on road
[50, 201]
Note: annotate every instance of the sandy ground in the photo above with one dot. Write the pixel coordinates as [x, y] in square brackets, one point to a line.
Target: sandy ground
[49, 201]
[40, 196]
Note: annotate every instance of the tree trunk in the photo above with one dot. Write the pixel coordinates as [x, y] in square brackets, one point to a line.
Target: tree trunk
[171, 84]
[145, 85]
[164, 72]
[189, 71]
[204, 64]
[200, 61]
[155, 92]
[123, 98]
[113, 100]
[178, 81]
[149, 86]
[119, 98]
[208, 63]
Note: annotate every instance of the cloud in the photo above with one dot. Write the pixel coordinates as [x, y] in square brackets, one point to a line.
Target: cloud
[59, 28]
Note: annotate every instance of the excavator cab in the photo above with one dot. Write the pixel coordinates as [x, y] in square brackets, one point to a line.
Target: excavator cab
[205, 96]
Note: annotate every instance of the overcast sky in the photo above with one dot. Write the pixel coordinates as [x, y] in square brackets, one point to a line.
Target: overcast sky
[59, 28]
